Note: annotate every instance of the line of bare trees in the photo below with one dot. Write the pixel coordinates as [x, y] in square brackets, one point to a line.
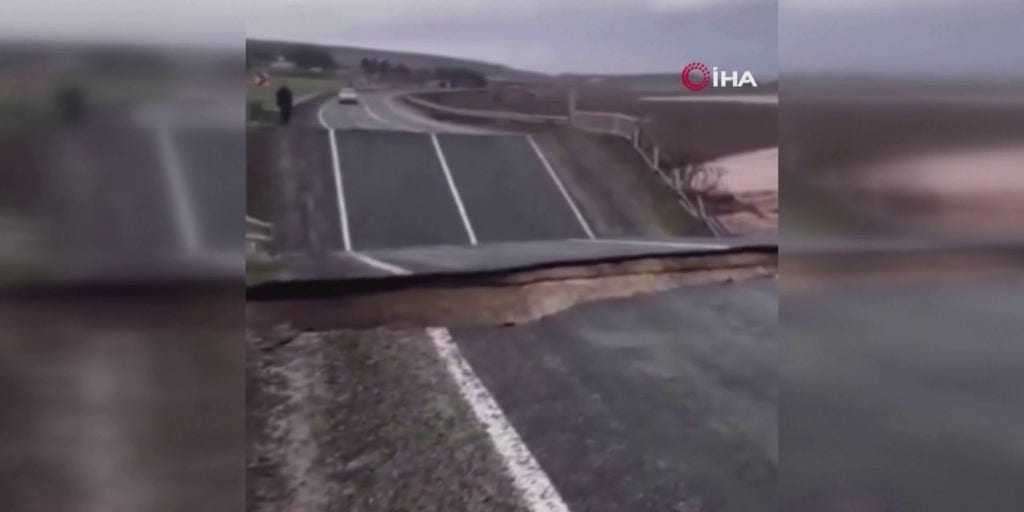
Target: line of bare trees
[448, 76]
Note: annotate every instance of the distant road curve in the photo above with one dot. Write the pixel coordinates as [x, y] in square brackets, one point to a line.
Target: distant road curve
[382, 110]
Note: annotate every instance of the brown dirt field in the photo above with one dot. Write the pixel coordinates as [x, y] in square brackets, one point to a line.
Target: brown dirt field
[832, 147]
[747, 199]
[747, 212]
[826, 133]
[689, 132]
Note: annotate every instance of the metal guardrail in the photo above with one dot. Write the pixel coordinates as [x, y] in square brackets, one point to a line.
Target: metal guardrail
[606, 122]
[486, 114]
[632, 129]
[259, 236]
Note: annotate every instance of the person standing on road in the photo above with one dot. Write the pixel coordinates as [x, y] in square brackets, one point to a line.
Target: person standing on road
[284, 103]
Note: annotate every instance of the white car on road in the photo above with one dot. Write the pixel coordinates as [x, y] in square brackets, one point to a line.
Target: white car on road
[348, 95]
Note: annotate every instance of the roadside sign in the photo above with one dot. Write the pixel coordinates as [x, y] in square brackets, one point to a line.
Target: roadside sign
[261, 79]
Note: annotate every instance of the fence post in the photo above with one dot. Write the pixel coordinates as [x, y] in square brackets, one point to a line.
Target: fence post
[654, 158]
[636, 137]
[572, 107]
[677, 181]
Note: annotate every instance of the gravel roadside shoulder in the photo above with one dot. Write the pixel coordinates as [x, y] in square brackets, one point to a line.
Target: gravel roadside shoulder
[363, 420]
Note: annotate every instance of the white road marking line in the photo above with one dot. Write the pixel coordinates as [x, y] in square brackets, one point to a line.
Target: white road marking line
[373, 114]
[529, 479]
[561, 187]
[380, 265]
[320, 115]
[340, 191]
[184, 212]
[676, 245]
[401, 121]
[455, 192]
[423, 123]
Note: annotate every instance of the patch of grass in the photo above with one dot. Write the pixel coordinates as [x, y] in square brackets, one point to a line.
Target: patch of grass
[31, 108]
[300, 86]
[259, 269]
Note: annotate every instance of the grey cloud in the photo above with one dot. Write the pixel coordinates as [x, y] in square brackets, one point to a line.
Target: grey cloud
[599, 38]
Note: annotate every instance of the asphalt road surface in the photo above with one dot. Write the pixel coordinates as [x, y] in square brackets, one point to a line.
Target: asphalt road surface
[904, 394]
[626, 410]
[374, 175]
[123, 402]
[376, 110]
[148, 190]
[380, 175]
[396, 191]
[608, 406]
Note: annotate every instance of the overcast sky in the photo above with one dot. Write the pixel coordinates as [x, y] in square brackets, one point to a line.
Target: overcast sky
[610, 36]
[954, 38]
[936, 38]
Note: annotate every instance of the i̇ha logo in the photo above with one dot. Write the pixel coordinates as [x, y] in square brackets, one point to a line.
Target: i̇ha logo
[696, 77]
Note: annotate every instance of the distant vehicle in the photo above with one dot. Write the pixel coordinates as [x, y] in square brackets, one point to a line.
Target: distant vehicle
[348, 95]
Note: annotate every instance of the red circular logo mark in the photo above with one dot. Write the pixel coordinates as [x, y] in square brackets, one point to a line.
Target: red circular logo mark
[705, 76]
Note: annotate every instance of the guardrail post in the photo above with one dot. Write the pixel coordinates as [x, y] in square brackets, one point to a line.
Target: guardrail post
[636, 137]
[259, 236]
[677, 181]
[654, 157]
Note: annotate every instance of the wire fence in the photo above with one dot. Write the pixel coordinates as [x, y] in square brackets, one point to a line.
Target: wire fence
[259, 238]
[486, 114]
[686, 181]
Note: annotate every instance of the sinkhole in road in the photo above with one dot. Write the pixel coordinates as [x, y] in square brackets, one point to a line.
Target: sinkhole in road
[507, 298]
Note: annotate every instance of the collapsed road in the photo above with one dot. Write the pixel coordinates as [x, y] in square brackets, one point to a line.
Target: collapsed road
[643, 382]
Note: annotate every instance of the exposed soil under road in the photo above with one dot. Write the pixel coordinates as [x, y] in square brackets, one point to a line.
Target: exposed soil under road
[505, 300]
